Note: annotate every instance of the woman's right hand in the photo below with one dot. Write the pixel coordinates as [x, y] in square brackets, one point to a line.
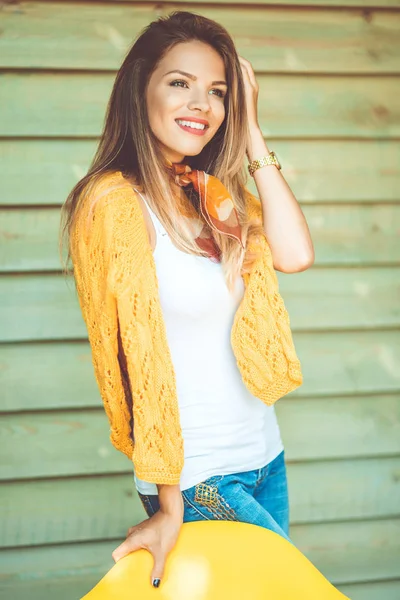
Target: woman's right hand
[158, 534]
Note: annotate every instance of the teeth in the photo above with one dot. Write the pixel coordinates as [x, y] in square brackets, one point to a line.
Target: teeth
[191, 124]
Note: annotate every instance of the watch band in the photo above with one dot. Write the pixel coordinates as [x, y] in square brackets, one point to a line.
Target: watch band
[269, 159]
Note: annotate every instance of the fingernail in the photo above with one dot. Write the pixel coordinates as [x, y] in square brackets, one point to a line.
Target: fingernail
[156, 582]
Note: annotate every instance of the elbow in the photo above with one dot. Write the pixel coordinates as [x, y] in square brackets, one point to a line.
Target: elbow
[301, 262]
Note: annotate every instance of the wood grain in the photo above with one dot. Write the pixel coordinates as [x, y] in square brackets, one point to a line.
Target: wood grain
[73, 105]
[43, 172]
[66, 443]
[274, 38]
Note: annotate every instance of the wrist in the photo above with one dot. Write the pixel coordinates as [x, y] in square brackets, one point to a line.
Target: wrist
[170, 500]
[257, 146]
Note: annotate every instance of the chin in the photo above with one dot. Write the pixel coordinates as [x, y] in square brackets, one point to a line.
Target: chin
[192, 150]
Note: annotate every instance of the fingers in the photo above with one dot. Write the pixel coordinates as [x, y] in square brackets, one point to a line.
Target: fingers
[131, 544]
[158, 568]
[248, 69]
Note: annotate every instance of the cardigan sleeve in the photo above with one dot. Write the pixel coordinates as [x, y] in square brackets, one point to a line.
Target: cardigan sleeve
[91, 244]
[118, 293]
[158, 453]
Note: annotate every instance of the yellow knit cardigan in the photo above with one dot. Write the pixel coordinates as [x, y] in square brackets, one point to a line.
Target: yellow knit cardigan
[117, 288]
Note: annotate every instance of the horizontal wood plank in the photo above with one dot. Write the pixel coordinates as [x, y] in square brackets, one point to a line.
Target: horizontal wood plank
[342, 235]
[60, 375]
[319, 3]
[377, 590]
[61, 443]
[73, 104]
[352, 551]
[65, 588]
[96, 508]
[286, 39]
[43, 172]
[45, 307]
[340, 428]
[343, 552]
[166, 6]
[324, 298]
[56, 375]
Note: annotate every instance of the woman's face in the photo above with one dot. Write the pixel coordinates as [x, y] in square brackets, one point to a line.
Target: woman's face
[196, 94]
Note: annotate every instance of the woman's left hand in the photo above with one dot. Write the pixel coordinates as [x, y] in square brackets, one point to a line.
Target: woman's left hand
[251, 92]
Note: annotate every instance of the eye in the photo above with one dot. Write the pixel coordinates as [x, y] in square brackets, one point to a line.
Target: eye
[178, 81]
[220, 93]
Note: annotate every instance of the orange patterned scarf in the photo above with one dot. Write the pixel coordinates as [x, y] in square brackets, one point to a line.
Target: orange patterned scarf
[214, 204]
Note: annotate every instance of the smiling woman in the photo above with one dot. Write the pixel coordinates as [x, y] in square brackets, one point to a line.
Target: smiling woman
[190, 338]
[197, 100]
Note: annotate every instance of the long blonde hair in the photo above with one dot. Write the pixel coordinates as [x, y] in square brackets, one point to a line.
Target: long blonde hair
[127, 143]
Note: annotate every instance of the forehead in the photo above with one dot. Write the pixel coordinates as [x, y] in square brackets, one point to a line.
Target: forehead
[194, 57]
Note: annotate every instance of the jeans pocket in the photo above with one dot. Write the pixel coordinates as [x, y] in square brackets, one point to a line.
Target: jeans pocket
[209, 501]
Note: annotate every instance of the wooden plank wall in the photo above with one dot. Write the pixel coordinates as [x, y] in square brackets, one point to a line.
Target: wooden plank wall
[329, 89]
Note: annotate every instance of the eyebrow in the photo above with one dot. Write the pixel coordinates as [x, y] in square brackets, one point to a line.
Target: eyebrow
[193, 77]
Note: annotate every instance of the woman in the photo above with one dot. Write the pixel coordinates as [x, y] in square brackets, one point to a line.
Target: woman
[190, 339]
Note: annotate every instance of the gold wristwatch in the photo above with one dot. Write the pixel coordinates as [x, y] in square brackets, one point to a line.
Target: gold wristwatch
[270, 159]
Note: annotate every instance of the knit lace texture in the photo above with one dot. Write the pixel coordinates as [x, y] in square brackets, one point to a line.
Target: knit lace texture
[117, 288]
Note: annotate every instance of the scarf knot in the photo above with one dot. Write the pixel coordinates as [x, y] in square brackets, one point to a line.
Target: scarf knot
[215, 204]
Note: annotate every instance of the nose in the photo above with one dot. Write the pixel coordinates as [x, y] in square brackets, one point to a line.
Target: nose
[201, 101]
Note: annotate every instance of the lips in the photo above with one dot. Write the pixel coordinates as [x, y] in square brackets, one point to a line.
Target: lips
[192, 129]
[194, 120]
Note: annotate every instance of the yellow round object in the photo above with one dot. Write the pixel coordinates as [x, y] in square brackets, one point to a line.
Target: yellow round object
[218, 560]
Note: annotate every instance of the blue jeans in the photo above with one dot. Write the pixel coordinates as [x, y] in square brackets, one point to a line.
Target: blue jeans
[259, 497]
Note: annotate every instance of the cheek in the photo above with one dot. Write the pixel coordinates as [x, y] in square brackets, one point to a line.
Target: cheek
[160, 106]
[219, 113]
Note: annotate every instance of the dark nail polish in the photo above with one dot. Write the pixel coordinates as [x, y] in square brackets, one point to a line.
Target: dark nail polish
[156, 582]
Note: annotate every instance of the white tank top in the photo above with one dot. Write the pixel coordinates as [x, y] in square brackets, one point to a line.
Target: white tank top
[225, 428]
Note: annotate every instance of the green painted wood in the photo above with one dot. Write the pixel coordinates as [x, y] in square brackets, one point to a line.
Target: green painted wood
[367, 4]
[96, 508]
[95, 37]
[66, 588]
[380, 590]
[340, 428]
[65, 572]
[348, 363]
[343, 441]
[73, 104]
[354, 235]
[342, 235]
[39, 302]
[273, 39]
[56, 375]
[60, 443]
[60, 375]
[43, 172]
[67, 510]
[352, 551]
[45, 307]
[344, 552]
[320, 3]
[29, 239]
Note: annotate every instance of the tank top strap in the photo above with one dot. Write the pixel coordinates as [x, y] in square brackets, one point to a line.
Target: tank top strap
[156, 221]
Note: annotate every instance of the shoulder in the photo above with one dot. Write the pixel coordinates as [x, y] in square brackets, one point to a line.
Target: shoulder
[109, 216]
[109, 188]
[109, 198]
